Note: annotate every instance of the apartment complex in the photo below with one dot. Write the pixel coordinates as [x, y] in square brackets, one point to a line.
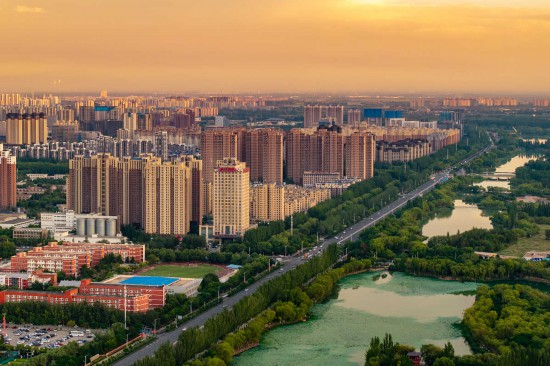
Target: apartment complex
[404, 150]
[231, 198]
[26, 128]
[301, 199]
[267, 202]
[8, 179]
[329, 150]
[261, 150]
[314, 113]
[272, 202]
[161, 197]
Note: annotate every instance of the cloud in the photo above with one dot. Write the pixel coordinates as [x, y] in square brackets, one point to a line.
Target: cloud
[29, 9]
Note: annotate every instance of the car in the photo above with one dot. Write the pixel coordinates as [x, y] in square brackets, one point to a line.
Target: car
[281, 269]
[20, 342]
[245, 290]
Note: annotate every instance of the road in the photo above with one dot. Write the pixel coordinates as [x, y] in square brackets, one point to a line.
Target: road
[349, 234]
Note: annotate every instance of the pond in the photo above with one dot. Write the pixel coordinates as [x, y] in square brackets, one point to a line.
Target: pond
[414, 310]
[462, 218]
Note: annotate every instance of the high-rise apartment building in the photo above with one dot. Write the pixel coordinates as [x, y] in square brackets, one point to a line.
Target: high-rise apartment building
[197, 196]
[267, 202]
[336, 112]
[65, 131]
[144, 122]
[130, 184]
[23, 129]
[167, 197]
[218, 144]
[312, 115]
[264, 154]
[144, 191]
[320, 151]
[8, 181]
[354, 116]
[160, 145]
[360, 155]
[231, 201]
[92, 185]
[184, 120]
[328, 150]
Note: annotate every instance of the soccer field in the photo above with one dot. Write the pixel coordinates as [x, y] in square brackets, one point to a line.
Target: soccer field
[180, 271]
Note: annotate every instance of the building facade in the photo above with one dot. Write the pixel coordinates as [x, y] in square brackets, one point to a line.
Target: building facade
[8, 179]
[231, 198]
[27, 128]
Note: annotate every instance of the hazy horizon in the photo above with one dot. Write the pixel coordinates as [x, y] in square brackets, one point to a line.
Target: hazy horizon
[376, 47]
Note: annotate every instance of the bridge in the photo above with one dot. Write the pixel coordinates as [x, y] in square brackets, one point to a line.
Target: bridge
[497, 176]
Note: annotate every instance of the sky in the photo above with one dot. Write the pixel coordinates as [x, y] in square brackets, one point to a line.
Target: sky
[232, 46]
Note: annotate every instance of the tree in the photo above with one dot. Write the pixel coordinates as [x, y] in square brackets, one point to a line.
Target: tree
[547, 234]
[444, 361]
[7, 248]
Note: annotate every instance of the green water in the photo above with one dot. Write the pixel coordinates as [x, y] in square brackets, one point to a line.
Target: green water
[414, 310]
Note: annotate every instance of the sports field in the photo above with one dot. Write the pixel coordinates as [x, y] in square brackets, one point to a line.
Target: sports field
[180, 271]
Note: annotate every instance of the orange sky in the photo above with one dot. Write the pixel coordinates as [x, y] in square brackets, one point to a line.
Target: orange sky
[227, 46]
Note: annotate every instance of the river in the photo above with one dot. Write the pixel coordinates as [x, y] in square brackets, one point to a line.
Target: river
[414, 310]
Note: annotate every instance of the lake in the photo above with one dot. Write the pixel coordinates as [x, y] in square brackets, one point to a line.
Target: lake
[414, 310]
[514, 163]
[462, 218]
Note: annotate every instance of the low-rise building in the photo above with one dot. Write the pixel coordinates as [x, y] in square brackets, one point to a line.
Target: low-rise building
[69, 257]
[301, 199]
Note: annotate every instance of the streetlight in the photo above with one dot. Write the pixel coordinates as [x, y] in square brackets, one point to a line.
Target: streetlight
[155, 326]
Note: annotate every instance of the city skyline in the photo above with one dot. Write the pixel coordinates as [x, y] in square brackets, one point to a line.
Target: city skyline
[378, 46]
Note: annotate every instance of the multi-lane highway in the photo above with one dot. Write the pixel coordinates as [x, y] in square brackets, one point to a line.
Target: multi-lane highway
[350, 233]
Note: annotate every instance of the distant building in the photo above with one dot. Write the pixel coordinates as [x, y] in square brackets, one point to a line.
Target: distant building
[23, 129]
[402, 151]
[221, 121]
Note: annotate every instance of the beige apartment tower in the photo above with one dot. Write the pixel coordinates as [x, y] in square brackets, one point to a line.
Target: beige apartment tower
[231, 198]
[24, 129]
[267, 202]
[167, 197]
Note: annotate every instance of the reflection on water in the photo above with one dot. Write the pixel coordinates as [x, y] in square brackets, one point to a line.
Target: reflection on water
[383, 303]
[494, 183]
[414, 310]
[535, 141]
[464, 217]
[516, 162]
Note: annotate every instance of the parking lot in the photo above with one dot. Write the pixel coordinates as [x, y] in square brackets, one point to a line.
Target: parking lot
[45, 336]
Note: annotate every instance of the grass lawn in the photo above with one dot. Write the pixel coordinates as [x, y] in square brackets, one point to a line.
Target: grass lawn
[180, 271]
[536, 243]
